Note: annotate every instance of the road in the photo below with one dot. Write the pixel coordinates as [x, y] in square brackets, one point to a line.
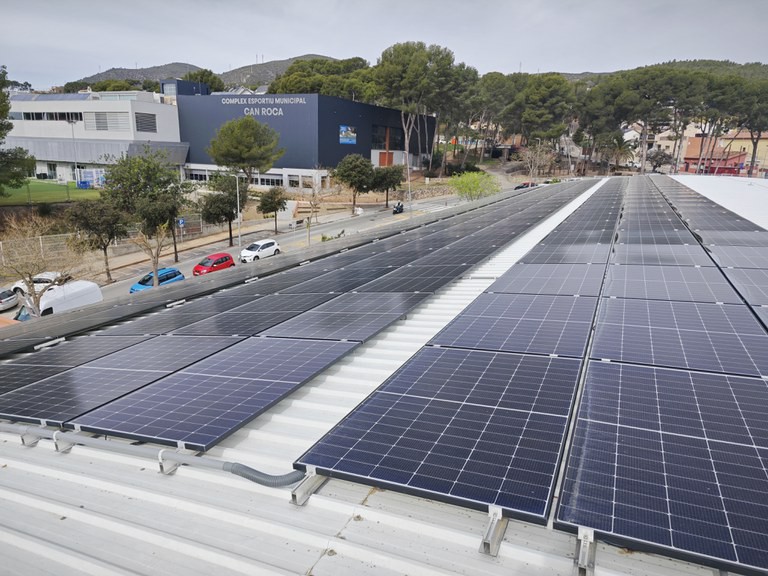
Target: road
[126, 275]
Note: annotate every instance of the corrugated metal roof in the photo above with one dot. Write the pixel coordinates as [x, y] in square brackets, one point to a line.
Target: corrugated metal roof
[96, 511]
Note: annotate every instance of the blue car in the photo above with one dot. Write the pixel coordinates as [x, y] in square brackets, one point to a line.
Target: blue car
[165, 275]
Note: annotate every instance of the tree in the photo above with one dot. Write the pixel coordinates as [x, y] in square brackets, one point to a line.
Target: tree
[222, 204]
[100, 223]
[474, 185]
[205, 76]
[246, 145]
[148, 187]
[24, 256]
[619, 150]
[273, 200]
[15, 163]
[387, 178]
[754, 105]
[357, 173]
[658, 158]
[114, 85]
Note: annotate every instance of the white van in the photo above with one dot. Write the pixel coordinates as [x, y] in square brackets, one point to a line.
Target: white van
[69, 296]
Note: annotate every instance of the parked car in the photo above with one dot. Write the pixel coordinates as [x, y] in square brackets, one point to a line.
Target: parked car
[213, 263]
[8, 299]
[69, 296]
[525, 185]
[260, 249]
[164, 275]
[41, 282]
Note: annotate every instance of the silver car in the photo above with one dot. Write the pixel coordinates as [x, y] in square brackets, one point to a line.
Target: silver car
[8, 299]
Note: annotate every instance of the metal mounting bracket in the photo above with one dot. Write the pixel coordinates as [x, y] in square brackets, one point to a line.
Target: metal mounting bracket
[63, 446]
[167, 467]
[28, 439]
[494, 531]
[311, 483]
[585, 549]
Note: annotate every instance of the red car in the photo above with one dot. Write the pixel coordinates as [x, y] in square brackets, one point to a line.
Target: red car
[213, 263]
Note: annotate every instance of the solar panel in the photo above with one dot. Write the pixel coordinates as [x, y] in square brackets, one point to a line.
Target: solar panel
[694, 284]
[355, 326]
[522, 323]
[720, 338]
[373, 302]
[68, 394]
[78, 350]
[672, 458]
[660, 254]
[163, 322]
[568, 254]
[201, 405]
[752, 283]
[338, 281]
[563, 279]
[13, 376]
[416, 279]
[235, 323]
[731, 238]
[762, 312]
[740, 256]
[467, 427]
[165, 353]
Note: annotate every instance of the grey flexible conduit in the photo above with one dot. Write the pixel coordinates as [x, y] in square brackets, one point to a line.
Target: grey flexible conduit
[163, 454]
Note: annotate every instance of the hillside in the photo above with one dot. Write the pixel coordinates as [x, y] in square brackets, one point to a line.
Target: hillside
[173, 70]
[252, 75]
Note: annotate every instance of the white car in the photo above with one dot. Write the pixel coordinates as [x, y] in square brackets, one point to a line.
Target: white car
[41, 282]
[259, 249]
[8, 299]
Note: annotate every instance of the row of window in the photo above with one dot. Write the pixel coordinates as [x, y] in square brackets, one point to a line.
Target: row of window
[97, 121]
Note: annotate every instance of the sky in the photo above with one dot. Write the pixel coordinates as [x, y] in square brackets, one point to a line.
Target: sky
[51, 42]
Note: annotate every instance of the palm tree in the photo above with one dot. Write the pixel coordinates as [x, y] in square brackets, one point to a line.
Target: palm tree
[620, 150]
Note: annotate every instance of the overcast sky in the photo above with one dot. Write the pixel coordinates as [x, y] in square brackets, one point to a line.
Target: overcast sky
[51, 42]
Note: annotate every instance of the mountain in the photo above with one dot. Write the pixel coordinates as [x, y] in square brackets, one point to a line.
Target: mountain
[261, 74]
[252, 75]
[164, 72]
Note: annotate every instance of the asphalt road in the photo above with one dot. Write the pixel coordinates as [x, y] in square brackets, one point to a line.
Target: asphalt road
[290, 242]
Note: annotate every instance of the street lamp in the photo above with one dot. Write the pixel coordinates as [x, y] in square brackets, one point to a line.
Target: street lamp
[237, 193]
[72, 122]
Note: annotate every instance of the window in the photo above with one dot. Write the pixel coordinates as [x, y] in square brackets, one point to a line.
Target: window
[146, 122]
[265, 181]
[111, 121]
[169, 89]
[380, 134]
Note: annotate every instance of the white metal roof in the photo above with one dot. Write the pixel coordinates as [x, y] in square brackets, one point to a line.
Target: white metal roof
[96, 511]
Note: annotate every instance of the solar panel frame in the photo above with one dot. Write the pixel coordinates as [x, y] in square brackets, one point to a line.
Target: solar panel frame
[198, 407]
[471, 446]
[688, 283]
[555, 279]
[672, 458]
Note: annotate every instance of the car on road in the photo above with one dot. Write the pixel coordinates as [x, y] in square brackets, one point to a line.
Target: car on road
[213, 263]
[523, 185]
[260, 249]
[8, 299]
[164, 276]
[41, 281]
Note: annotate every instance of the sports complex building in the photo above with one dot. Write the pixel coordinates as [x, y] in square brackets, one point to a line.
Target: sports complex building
[89, 130]
[568, 379]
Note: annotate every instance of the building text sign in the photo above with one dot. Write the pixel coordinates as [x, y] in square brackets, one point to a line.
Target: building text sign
[263, 105]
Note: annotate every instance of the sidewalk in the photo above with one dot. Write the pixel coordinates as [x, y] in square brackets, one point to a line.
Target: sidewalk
[252, 232]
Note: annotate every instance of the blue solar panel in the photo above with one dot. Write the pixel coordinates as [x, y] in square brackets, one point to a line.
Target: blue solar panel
[564, 279]
[740, 256]
[68, 394]
[720, 338]
[468, 427]
[661, 255]
[522, 323]
[752, 284]
[673, 458]
[688, 283]
[568, 253]
[13, 376]
[204, 403]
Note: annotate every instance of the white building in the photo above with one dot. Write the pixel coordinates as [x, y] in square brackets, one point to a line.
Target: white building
[87, 129]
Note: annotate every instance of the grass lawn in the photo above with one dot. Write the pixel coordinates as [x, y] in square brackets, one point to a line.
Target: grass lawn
[45, 191]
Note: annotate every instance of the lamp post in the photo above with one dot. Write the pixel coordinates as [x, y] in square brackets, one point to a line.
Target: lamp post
[72, 122]
[239, 218]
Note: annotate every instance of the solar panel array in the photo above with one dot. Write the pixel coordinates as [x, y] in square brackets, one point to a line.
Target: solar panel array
[191, 375]
[478, 417]
[670, 447]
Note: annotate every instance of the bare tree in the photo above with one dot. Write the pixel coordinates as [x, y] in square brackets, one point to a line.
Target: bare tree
[153, 246]
[25, 254]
